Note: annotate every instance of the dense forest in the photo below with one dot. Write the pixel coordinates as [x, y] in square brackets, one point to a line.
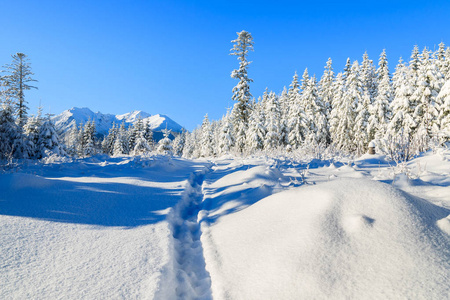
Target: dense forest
[403, 113]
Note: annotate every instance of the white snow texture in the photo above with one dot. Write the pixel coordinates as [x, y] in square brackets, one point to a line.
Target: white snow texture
[232, 228]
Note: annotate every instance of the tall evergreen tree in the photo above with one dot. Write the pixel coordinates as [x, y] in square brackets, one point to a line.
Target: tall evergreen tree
[429, 83]
[335, 114]
[326, 87]
[273, 115]
[402, 106]
[444, 117]
[368, 77]
[10, 133]
[31, 131]
[109, 141]
[73, 141]
[347, 69]
[380, 113]
[296, 119]
[49, 142]
[241, 92]
[148, 135]
[121, 142]
[315, 115]
[89, 139]
[17, 81]
[206, 144]
[284, 109]
[257, 131]
[439, 57]
[226, 139]
[344, 111]
[361, 122]
[179, 142]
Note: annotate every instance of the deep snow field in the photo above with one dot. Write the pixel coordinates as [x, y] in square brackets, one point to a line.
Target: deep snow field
[229, 228]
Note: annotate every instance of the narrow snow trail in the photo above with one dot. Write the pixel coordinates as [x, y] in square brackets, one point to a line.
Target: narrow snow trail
[191, 279]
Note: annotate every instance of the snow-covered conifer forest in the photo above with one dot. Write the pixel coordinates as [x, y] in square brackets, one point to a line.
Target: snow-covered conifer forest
[405, 110]
[279, 199]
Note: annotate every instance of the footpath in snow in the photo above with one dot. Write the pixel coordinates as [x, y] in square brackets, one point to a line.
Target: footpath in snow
[186, 277]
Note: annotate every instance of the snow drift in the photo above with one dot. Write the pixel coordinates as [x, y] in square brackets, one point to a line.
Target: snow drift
[345, 239]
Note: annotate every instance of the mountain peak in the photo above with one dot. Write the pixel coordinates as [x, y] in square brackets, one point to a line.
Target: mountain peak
[68, 118]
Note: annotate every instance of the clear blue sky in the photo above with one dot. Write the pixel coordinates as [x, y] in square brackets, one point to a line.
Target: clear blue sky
[172, 57]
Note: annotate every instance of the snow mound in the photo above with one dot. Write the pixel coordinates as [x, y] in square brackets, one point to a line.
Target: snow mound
[344, 239]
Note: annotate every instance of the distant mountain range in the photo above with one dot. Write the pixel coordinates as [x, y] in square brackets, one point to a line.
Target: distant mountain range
[103, 122]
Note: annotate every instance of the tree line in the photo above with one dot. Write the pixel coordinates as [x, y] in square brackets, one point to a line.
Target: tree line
[403, 113]
[35, 137]
[23, 136]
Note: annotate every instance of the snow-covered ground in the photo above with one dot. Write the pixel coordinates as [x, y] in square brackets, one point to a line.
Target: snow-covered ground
[229, 228]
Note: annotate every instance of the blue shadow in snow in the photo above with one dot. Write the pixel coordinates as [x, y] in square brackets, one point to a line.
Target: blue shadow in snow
[103, 204]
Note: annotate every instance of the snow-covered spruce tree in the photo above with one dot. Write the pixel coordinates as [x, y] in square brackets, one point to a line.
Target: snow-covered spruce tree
[80, 145]
[426, 113]
[296, 116]
[414, 64]
[361, 121]
[344, 111]
[241, 92]
[49, 142]
[368, 77]
[134, 132]
[10, 133]
[256, 129]
[441, 62]
[316, 128]
[179, 142]
[326, 88]
[207, 147]
[347, 69]
[273, 115]
[226, 139]
[89, 139]
[17, 81]
[118, 147]
[141, 146]
[444, 116]
[165, 144]
[284, 126]
[148, 135]
[334, 118]
[446, 70]
[31, 131]
[188, 148]
[240, 133]
[109, 140]
[216, 128]
[305, 80]
[402, 122]
[121, 142]
[73, 141]
[380, 113]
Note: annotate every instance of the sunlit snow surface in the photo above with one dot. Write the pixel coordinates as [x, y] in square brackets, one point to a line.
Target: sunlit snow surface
[230, 228]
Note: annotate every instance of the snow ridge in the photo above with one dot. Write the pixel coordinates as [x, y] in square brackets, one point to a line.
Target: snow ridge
[192, 281]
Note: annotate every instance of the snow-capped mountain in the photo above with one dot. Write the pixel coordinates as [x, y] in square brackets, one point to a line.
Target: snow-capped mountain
[103, 122]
